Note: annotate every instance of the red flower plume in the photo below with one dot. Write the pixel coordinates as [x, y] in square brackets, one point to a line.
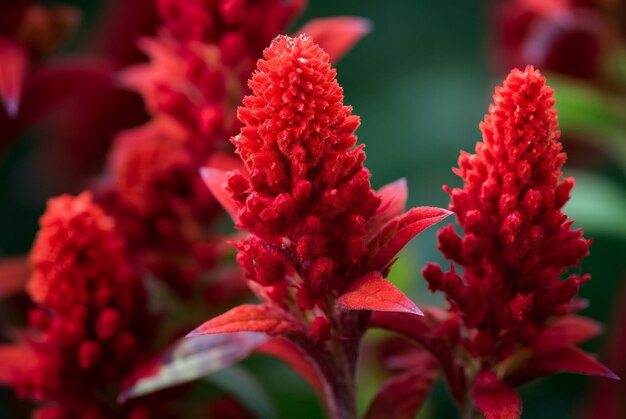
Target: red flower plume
[90, 315]
[509, 319]
[321, 240]
[517, 244]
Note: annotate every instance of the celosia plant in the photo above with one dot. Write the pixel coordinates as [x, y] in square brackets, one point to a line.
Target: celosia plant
[91, 314]
[511, 315]
[192, 85]
[321, 240]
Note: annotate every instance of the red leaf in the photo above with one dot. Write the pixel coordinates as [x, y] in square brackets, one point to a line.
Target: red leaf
[569, 359]
[14, 273]
[337, 35]
[393, 200]
[215, 180]
[188, 360]
[13, 64]
[403, 394]
[375, 293]
[567, 331]
[399, 231]
[15, 359]
[251, 318]
[293, 356]
[494, 398]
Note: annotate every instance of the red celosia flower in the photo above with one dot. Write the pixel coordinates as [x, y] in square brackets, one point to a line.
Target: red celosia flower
[201, 61]
[91, 312]
[141, 164]
[321, 240]
[509, 319]
[69, 271]
[196, 77]
[228, 23]
[517, 241]
[160, 203]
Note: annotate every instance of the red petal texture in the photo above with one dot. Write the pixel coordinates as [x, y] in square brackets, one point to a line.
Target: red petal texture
[375, 293]
[13, 66]
[296, 359]
[566, 331]
[570, 359]
[15, 360]
[250, 318]
[399, 231]
[402, 395]
[337, 35]
[494, 398]
[14, 273]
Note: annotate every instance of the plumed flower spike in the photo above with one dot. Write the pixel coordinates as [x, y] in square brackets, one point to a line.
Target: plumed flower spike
[69, 270]
[513, 307]
[321, 240]
[510, 206]
[308, 181]
[91, 312]
[296, 126]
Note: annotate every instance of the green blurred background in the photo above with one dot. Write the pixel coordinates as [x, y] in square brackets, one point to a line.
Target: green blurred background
[421, 82]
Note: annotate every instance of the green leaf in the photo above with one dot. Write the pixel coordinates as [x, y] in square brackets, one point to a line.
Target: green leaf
[598, 205]
[242, 385]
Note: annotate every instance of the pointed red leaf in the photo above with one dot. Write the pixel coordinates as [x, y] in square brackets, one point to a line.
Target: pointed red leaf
[403, 394]
[569, 359]
[375, 293]
[567, 331]
[494, 398]
[13, 64]
[188, 360]
[393, 200]
[215, 180]
[251, 318]
[15, 359]
[337, 35]
[399, 231]
[293, 356]
[14, 273]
